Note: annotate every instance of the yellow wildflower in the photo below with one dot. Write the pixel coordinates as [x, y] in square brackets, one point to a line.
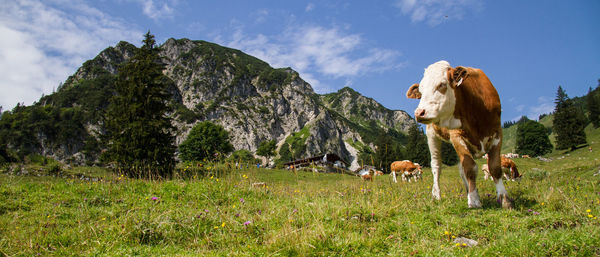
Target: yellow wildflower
[588, 210]
[446, 233]
[590, 215]
[223, 225]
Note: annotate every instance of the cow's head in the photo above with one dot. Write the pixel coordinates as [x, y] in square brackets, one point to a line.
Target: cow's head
[436, 91]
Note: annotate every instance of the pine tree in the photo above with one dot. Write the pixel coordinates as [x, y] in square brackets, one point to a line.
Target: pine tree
[569, 122]
[416, 148]
[532, 138]
[593, 105]
[139, 132]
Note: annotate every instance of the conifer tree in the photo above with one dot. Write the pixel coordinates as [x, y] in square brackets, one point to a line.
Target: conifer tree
[569, 122]
[417, 149]
[139, 131]
[593, 105]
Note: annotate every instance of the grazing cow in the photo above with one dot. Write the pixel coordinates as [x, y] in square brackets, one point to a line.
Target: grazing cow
[367, 175]
[460, 105]
[525, 156]
[407, 169]
[509, 168]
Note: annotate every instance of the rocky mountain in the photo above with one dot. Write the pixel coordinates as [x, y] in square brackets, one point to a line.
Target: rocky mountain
[249, 98]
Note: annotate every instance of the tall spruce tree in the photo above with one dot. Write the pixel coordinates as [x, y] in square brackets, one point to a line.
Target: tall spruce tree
[532, 138]
[416, 148]
[569, 122]
[139, 131]
[386, 152]
[593, 105]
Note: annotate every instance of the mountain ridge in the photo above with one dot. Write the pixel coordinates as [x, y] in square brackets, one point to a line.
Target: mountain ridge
[248, 97]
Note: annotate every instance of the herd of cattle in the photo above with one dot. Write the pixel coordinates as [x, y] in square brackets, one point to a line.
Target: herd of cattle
[411, 171]
[461, 106]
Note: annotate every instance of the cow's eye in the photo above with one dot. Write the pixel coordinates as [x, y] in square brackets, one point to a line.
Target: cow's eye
[441, 87]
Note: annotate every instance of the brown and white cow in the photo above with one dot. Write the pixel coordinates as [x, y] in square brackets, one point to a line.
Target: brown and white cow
[407, 170]
[368, 175]
[509, 169]
[460, 105]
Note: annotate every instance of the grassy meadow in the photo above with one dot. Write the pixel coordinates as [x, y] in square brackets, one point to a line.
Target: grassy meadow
[91, 212]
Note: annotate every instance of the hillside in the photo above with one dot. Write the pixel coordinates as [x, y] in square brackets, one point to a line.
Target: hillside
[249, 98]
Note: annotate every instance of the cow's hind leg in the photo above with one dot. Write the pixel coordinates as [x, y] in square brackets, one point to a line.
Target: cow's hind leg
[468, 172]
[496, 172]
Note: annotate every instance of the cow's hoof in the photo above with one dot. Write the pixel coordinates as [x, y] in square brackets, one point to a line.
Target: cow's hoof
[506, 202]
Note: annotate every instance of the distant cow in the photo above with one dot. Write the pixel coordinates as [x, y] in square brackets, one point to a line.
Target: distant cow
[367, 175]
[460, 105]
[407, 170]
[509, 169]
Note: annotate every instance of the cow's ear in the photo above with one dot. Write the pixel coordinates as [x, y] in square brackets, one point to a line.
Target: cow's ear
[457, 76]
[413, 92]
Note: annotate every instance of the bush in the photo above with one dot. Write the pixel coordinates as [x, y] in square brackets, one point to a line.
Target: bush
[54, 168]
[205, 141]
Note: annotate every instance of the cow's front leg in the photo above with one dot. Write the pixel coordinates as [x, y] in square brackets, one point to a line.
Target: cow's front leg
[435, 145]
[394, 176]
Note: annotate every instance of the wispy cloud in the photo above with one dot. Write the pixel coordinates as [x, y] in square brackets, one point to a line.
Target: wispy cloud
[43, 42]
[316, 50]
[309, 7]
[435, 12]
[544, 105]
[157, 10]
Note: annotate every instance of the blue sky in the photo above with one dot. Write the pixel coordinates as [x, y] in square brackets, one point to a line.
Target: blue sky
[379, 48]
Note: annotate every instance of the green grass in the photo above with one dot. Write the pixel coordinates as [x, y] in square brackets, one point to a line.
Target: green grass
[88, 211]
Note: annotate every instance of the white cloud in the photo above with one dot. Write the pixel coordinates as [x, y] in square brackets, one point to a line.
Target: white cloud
[156, 10]
[43, 42]
[545, 105]
[313, 50]
[260, 16]
[309, 7]
[434, 12]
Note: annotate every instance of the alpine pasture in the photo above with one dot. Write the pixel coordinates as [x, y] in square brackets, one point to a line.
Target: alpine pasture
[91, 212]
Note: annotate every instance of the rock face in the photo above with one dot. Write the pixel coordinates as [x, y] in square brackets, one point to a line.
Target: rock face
[256, 102]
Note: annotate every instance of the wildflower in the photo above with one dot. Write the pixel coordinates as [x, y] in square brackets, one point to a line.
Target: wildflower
[536, 213]
[446, 233]
[542, 203]
[464, 244]
[216, 227]
[590, 215]
[223, 225]
[242, 200]
[154, 198]
[457, 244]
[103, 218]
[530, 210]
[453, 237]
[234, 206]
[588, 210]
[247, 223]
